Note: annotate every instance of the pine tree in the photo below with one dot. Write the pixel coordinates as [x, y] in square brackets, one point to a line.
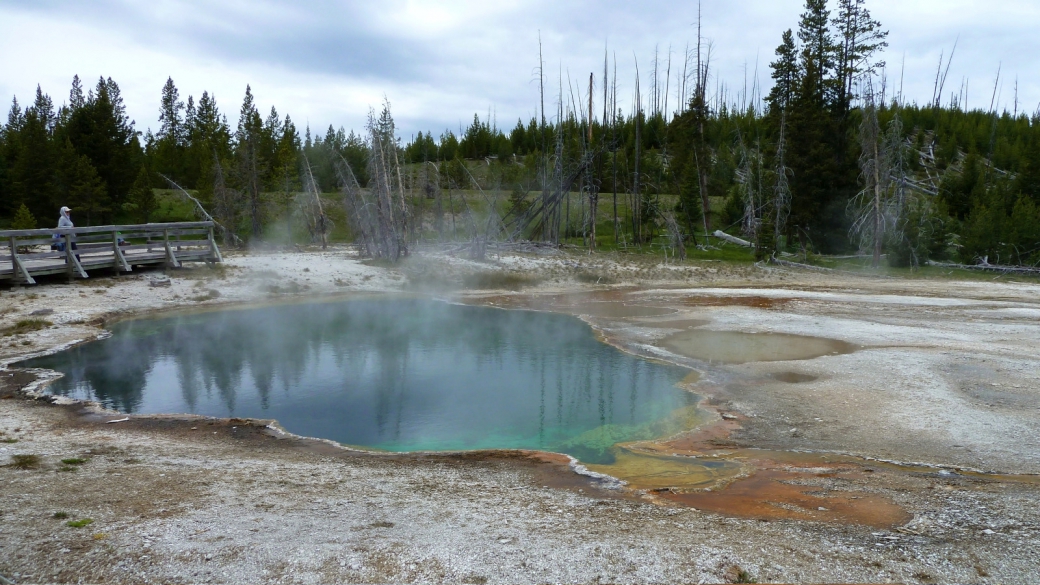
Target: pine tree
[76, 97]
[817, 44]
[23, 219]
[810, 156]
[859, 38]
[32, 158]
[82, 188]
[209, 139]
[101, 131]
[786, 75]
[141, 201]
[171, 121]
[172, 135]
[43, 107]
[1029, 177]
[247, 150]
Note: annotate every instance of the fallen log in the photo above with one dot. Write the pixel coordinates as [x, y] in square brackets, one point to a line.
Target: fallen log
[732, 239]
[987, 267]
[790, 264]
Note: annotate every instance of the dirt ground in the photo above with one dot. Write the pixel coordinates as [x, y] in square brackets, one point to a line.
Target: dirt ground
[911, 457]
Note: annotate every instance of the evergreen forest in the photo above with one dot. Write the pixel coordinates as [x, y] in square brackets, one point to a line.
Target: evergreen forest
[832, 160]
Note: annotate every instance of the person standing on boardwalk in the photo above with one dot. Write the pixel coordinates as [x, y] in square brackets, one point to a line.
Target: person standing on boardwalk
[64, 222]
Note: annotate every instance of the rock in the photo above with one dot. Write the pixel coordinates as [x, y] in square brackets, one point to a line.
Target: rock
[160, 283]
[988, 531]
[728, 416]
[41, 312]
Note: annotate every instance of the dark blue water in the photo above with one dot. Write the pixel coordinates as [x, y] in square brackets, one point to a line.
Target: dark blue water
[399, 375]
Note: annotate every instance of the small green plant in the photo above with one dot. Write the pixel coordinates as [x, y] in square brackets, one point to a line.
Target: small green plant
[25, 326]
[745, 577]
[25, 461]
[74, 461]
[735, 574]
[79, 523]
[66, 468]
[8, 441]
[60, 515]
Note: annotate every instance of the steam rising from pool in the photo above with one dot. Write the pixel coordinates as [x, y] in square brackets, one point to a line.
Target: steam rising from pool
[393, 374]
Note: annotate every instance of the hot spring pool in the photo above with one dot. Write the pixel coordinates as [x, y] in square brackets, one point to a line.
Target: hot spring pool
[389, 374]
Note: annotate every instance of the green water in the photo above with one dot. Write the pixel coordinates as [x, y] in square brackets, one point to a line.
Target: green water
[391, 374]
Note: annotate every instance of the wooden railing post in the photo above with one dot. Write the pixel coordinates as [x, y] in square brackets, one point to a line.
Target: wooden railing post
[171, 258]
[16, 264]
[213, 249]
[74, 266]
[119, 260]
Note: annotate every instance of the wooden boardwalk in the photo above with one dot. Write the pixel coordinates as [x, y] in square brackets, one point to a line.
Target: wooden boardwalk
[28, 253]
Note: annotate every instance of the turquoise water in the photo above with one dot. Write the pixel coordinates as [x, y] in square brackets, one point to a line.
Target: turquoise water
[391, 374]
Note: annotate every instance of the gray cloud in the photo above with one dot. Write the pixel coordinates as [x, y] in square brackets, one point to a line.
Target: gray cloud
[326, 61]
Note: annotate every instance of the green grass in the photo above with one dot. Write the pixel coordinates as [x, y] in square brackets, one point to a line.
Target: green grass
[25, 326]
[60, 515]
[500, 280]
[79, 523]
[74, 461]
[9, 441]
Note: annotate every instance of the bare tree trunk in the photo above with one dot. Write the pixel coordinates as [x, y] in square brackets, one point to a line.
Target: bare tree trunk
[614, 147]
[878, 227]
[253, 186]
[781, 191]
[320, 221]
[637, 220]
[593, 194]
[702, 176]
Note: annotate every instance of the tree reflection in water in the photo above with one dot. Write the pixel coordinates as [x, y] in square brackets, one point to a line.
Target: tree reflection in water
[393, 374]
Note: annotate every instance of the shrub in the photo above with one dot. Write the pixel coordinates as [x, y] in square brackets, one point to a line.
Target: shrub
[25, 461]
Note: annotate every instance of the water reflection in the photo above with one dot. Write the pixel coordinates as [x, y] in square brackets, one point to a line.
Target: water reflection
[392, 374]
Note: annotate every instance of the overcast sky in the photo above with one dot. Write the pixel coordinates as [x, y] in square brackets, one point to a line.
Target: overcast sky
[327, 61]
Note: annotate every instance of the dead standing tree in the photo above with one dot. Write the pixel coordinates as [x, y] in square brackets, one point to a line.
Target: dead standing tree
[590, 179]
[781, 188]
[360, 212]
[310, 208]
[676, 236]
[880, 203]
[868, 219]
[380, 219]
[750, 182]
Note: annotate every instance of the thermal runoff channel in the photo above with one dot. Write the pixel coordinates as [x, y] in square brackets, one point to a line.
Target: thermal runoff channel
[398, 375]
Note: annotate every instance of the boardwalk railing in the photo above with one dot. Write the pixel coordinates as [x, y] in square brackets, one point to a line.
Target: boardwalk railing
[73, 251]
